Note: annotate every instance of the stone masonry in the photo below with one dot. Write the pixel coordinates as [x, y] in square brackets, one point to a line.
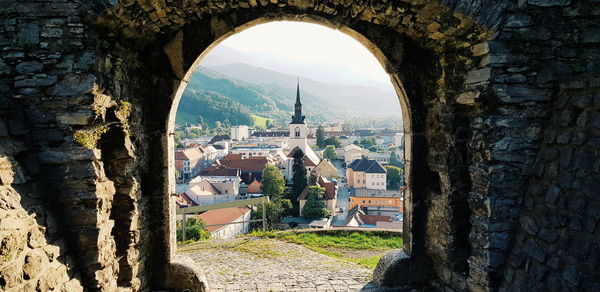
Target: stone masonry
[501, 112]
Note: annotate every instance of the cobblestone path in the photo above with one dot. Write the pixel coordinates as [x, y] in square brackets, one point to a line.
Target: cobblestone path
[250, 264]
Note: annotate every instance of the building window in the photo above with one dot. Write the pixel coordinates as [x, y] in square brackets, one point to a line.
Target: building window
[369, 201]
[363, 201]
[297, 132]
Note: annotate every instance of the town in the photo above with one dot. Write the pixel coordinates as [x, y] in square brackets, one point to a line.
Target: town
[316, 176]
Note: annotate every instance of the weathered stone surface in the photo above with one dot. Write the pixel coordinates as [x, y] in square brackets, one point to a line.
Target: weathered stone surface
[528, 71]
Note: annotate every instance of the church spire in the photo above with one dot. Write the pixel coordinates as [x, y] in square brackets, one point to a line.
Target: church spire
[298, 91]
[297, 118]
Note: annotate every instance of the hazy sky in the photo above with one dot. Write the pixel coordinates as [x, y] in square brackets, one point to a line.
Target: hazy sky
[310, 45]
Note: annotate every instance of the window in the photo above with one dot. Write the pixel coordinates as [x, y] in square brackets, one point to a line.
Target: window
[363, 201]
[369, 201]
[297, 132]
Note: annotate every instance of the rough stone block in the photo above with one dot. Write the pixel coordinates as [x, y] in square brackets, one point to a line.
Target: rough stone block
[549, 3]
[533, 250]
[572, 275]
[35, 262]
[76, 118]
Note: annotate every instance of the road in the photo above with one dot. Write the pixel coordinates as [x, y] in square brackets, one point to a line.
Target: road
[339, 219]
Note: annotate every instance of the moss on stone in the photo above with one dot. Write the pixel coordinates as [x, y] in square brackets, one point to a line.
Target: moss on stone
[88, 138]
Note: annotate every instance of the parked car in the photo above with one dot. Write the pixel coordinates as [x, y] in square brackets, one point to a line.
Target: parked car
[341, 210]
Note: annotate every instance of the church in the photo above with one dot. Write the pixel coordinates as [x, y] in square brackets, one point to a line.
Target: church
[298, 140]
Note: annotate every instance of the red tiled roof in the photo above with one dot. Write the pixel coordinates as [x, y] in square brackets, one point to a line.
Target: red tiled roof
[220, 216]
[373, 219]
[330, 188]
[192, 153]
[223, 172]
[254, 187]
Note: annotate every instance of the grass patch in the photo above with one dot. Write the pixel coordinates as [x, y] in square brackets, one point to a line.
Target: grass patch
[342, 239]
[362, 248]
[259, 121]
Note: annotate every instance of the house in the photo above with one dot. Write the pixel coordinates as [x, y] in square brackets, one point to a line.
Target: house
[358, 217]
[224, 216]
[254, 187]
[250, 168]
[376, 198]
[222, 148]
[303, 222]
[326, 169]
[366, 173]
[226, 180]
[353, 152]
[188, 162]
[330, 196]
[218, 138]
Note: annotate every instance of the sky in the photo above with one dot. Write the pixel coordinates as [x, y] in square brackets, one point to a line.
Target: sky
[307, 48]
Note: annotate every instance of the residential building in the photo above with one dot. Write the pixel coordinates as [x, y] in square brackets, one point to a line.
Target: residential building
[249, 151]
[226, 180]
[251, 167]
[353, 152]
[218, 138]
[224, 216]
[188, 162]
[222, 148]
[359, 217]
[366, 173]
[329, 198]
[376, 198]
[381, 157]
[326, 169]
[240, 133]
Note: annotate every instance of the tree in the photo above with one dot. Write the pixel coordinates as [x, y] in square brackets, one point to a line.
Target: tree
[275, 211]
[298, 178]
[393, 177]
[314, 206]
[268, 124]
[312, 178]
[194, 234]
[272, 184]
[367, 142]
[335, 141]
[373, 149]
[320, 137]
[329, 152]
[394, 159]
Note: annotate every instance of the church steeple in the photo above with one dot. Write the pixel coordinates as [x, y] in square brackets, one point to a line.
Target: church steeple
[297, 118]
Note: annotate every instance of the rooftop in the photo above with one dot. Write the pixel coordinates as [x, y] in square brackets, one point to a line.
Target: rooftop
[364, 192]
[367, 165]
[221, 216]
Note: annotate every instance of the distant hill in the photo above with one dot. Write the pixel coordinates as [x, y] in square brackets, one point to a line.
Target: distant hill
[237, 91]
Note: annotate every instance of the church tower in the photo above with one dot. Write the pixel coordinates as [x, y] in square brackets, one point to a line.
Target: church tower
[298, 128]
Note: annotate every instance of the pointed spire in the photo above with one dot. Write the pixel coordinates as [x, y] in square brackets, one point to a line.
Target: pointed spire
[298, 90]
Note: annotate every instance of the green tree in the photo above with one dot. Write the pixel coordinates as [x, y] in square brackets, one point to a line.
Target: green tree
[275, 211]
[373, 149]
[195, 231]
[393, 177]
[394, 159]
[273, 183]
[314, 206]
[320, 137]
[312, 178]
[269, 124]
[298, 178]
[335, 141]
[329, 152]
[367, 142]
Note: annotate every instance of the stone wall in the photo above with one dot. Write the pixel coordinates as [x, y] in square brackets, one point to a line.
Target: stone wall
[89, 92]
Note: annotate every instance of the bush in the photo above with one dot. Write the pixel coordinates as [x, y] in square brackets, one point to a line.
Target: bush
[194, 232]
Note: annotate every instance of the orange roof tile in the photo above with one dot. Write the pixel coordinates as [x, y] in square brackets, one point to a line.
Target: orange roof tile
[221, 216]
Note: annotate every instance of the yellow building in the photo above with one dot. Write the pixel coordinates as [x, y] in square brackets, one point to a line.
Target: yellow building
[376, 198]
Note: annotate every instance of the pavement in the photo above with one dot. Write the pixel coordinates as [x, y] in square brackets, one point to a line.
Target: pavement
[254, 264]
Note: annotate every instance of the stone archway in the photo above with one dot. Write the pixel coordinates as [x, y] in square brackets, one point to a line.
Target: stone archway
[427, 69]
[90, 87]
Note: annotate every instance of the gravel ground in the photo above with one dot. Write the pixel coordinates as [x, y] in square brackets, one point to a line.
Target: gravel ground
[253, 264]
